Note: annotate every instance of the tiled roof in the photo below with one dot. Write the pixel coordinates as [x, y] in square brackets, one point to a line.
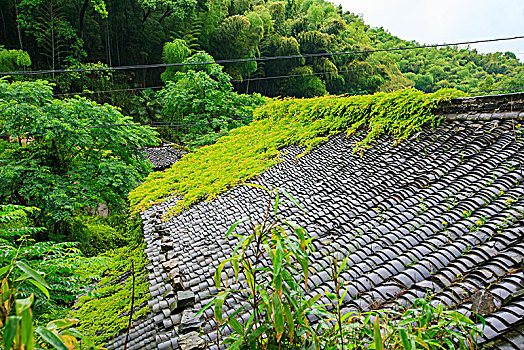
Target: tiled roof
[442, 213]
[162, 157]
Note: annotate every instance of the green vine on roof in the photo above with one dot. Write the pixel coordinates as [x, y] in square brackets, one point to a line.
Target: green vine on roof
[104, 310]
[249, 150]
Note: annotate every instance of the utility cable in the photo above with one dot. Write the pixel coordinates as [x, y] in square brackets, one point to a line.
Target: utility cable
[226, 81]
[254, 59]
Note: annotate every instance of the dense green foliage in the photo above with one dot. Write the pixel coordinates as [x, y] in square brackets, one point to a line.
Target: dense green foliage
[250, 150]
[56, 260]
[432, 69]
[11, 60]
[199, 98]
[24, 290]
[65, 34]
[58, 159]
[101, 311]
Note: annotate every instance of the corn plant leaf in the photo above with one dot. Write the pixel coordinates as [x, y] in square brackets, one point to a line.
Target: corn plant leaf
[51, 338]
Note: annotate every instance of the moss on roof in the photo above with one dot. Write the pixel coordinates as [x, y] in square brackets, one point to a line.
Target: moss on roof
[251, 149]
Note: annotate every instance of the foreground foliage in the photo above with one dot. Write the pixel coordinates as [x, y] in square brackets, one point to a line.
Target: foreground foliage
[250, 150]
[21, 285]
[276, 299]
[267, 275]
[420, 326]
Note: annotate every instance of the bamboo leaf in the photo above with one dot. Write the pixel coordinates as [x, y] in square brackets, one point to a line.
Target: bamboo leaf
[236, 325]
[235, 224]
[276, 202]
[41, 287]
[277, 262]
[290, 322]
[405, 340]
[10, 330]
[218, 273]
[292, 199]
[377, 337]
[258, 332]
[219, 303]
[34, 275]
[278, 317]
[51, 338]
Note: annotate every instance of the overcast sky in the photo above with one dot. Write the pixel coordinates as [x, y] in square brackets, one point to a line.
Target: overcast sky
[447, 21]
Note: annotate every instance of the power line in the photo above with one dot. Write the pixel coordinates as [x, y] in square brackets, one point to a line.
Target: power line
[226, 81]
[254, 59]
[105, 91]
[158, 124]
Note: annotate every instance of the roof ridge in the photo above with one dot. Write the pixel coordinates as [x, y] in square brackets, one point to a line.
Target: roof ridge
[505, 115]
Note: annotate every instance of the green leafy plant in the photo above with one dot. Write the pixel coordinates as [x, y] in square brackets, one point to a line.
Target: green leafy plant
[61, 158]
[274, 289]
[248, 151]
[17, 278]
[421, 326]
[55, 260]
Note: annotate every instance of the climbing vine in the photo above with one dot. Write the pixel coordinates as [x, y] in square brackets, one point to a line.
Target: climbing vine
[249, 150]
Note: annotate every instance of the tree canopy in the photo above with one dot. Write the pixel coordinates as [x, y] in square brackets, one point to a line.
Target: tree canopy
[58, 156]
[63, 34]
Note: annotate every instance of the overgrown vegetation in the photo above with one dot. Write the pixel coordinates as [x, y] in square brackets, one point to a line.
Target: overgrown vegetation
[104, 310]
[250, 150]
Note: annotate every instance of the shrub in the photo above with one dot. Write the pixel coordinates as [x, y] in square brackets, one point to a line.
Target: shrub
[96, 235]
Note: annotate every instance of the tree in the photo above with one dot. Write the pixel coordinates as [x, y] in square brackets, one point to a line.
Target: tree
[60, 155]
[201, 96]
[174, 52]
[237, 38]
[11, 60]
